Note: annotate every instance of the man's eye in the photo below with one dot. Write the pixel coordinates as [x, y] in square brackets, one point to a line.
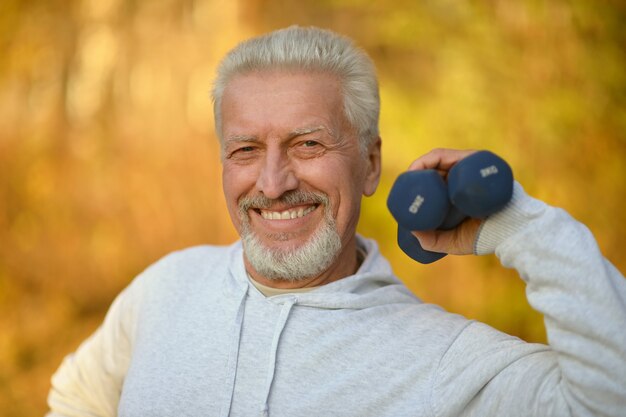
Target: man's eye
[243, 152]
[308, 149]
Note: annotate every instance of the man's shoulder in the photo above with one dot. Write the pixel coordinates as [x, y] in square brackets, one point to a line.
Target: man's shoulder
[189, 264]
[199, 254]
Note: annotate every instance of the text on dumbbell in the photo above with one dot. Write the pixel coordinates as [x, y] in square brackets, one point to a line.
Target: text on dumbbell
[417, 203]
[490, 170]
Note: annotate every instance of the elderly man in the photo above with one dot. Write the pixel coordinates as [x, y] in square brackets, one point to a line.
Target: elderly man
[303, 317]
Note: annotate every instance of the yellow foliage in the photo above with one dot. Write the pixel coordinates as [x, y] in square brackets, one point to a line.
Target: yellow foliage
[108, 160]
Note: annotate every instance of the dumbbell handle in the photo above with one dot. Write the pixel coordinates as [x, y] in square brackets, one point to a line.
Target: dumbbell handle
[411, 246]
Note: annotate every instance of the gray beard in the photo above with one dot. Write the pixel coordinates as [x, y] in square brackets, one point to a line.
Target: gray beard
[297, 263]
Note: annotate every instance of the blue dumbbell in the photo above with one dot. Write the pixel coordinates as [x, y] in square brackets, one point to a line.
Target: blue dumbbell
[478, 186]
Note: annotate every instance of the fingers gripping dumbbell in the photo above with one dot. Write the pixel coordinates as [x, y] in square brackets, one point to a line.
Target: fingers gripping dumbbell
[478, 186]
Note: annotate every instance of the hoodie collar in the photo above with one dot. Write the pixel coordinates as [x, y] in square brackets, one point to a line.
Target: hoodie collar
[372, 285]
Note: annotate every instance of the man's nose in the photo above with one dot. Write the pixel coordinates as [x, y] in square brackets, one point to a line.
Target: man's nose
[277, 175]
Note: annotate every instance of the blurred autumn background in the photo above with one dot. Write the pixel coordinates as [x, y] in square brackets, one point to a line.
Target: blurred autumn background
[108, 158]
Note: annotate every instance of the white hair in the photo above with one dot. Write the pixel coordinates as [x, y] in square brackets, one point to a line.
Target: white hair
[309, 49]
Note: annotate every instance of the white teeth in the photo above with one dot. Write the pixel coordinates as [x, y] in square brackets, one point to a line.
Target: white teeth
[287, 214]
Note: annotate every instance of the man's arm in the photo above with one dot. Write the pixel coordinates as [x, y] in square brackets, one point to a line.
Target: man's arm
[583, 299]
[89, 381]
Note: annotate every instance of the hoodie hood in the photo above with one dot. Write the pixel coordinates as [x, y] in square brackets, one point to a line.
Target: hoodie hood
[372, 285]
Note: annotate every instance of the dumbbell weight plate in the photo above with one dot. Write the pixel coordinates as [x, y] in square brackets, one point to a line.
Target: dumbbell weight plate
[480, 185]
[418, 200]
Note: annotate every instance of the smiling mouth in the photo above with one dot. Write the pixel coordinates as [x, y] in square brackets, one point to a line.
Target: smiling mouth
[286, 214]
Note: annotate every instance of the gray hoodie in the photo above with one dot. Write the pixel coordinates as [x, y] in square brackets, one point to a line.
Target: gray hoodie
[192, 337]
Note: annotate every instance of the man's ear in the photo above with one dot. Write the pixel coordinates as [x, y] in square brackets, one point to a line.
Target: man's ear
[372, 176]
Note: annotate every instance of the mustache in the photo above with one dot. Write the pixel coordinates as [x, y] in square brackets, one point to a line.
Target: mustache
[294, 197]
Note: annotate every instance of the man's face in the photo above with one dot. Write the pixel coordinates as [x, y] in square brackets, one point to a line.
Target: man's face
[292, 167]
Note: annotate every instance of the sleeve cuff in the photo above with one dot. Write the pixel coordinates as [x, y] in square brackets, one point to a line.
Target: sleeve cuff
[513, 217]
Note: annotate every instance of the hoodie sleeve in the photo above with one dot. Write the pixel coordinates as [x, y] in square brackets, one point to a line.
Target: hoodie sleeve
[89, 381]
[582, 372]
